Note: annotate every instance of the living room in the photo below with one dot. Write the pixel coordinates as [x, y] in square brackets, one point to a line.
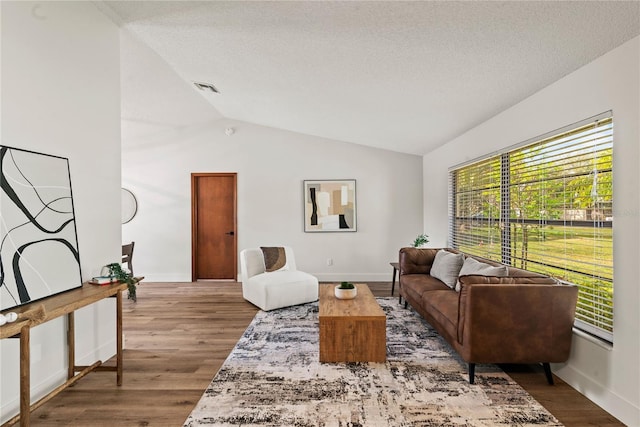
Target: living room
[75, 84]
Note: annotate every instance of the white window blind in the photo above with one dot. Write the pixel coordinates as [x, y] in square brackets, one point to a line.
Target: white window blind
[546, 206]
[477, 209]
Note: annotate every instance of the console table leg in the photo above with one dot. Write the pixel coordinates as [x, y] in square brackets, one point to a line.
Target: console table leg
[71, 345]
[119, 338]
[25, 377]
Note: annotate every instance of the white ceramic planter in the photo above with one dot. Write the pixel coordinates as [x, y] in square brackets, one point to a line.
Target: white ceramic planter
[345, 293]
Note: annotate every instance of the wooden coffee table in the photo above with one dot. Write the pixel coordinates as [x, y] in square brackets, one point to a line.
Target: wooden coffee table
[351, 330]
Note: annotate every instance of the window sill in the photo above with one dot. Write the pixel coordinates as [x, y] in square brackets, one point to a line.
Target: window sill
[607, 346]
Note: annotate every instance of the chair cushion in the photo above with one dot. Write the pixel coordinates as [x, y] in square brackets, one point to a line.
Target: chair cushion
[284, 277]
[280, 289]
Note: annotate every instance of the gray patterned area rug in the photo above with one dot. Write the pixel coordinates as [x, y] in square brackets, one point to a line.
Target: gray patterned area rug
[273, 378]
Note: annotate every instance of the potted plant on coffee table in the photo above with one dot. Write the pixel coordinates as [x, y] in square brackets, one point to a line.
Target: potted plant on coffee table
[346, 290]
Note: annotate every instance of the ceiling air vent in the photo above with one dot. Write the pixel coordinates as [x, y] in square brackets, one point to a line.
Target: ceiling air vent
[206, 86]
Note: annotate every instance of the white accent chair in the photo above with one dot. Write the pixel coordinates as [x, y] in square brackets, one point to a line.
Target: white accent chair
[276, 289]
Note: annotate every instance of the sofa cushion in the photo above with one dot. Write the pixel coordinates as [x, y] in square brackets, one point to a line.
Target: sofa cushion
[416, 261]
[414, 285]
[519, 272]
[446, 267]
[442, 306]
[475, 267]
[491, 280]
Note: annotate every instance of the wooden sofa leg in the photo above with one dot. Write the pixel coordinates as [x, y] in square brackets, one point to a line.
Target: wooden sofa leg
[547, 372]
[472, 372]
[406, 304]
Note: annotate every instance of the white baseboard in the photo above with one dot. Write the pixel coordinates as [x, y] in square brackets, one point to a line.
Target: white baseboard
[166, 278]
[10, 406]
[349, 277]
[625, 411]
[323, 277]
[353, 277]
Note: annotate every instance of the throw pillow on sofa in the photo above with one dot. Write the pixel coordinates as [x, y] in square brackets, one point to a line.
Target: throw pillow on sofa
[446, 267]
[474, 267]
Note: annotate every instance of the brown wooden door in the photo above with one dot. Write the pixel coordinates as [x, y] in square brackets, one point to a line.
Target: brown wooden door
[213, 211]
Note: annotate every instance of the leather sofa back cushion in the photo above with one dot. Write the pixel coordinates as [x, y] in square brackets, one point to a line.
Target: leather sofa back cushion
[446, 267]
[513, 271]
[475, 267]
[416, 261]
[492, 280]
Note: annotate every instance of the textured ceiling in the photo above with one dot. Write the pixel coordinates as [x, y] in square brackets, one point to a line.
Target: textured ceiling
[404, 76]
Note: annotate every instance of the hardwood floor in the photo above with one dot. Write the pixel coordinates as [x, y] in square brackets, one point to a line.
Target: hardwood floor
[176, 338]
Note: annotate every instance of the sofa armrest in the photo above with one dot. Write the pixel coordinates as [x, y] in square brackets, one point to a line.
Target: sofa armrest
[516, 322]
[417, 260]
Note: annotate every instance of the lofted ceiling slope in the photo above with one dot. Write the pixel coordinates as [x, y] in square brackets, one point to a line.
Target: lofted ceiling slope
[403, 76]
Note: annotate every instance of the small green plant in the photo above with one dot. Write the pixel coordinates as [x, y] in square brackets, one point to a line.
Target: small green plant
[420, 240]
[116, 271]
[346, 285]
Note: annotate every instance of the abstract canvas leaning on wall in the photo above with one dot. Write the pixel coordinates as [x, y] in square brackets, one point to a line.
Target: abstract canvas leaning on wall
[39, 253]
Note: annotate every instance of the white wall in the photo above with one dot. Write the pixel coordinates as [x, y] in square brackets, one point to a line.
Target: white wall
[609, 377]
[161, 150]
[61, 95]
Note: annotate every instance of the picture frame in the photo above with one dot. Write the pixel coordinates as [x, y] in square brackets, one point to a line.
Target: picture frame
[330, 205]
[38, 239]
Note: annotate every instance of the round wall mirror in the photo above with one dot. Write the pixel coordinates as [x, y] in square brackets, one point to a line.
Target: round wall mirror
[129, 206]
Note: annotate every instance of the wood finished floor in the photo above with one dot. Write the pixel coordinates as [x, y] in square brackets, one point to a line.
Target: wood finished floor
[176, 338]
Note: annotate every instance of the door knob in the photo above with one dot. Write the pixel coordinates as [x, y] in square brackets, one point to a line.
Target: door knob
[230, 233]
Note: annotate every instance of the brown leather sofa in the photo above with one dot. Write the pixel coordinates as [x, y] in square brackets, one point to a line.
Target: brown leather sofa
[522, 318]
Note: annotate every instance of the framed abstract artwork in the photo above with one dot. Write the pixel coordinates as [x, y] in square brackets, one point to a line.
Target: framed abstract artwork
[39, 254]
[330, 205]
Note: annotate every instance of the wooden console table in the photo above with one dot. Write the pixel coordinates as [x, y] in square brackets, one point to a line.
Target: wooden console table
[55, 306]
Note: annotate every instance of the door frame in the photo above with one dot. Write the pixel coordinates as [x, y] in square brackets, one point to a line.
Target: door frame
[194, 218]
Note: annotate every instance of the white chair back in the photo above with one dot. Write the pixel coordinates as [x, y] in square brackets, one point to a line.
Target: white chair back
[252, 261]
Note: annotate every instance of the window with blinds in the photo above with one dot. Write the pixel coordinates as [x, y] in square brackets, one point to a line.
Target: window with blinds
[546, 206]
[478, 209]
